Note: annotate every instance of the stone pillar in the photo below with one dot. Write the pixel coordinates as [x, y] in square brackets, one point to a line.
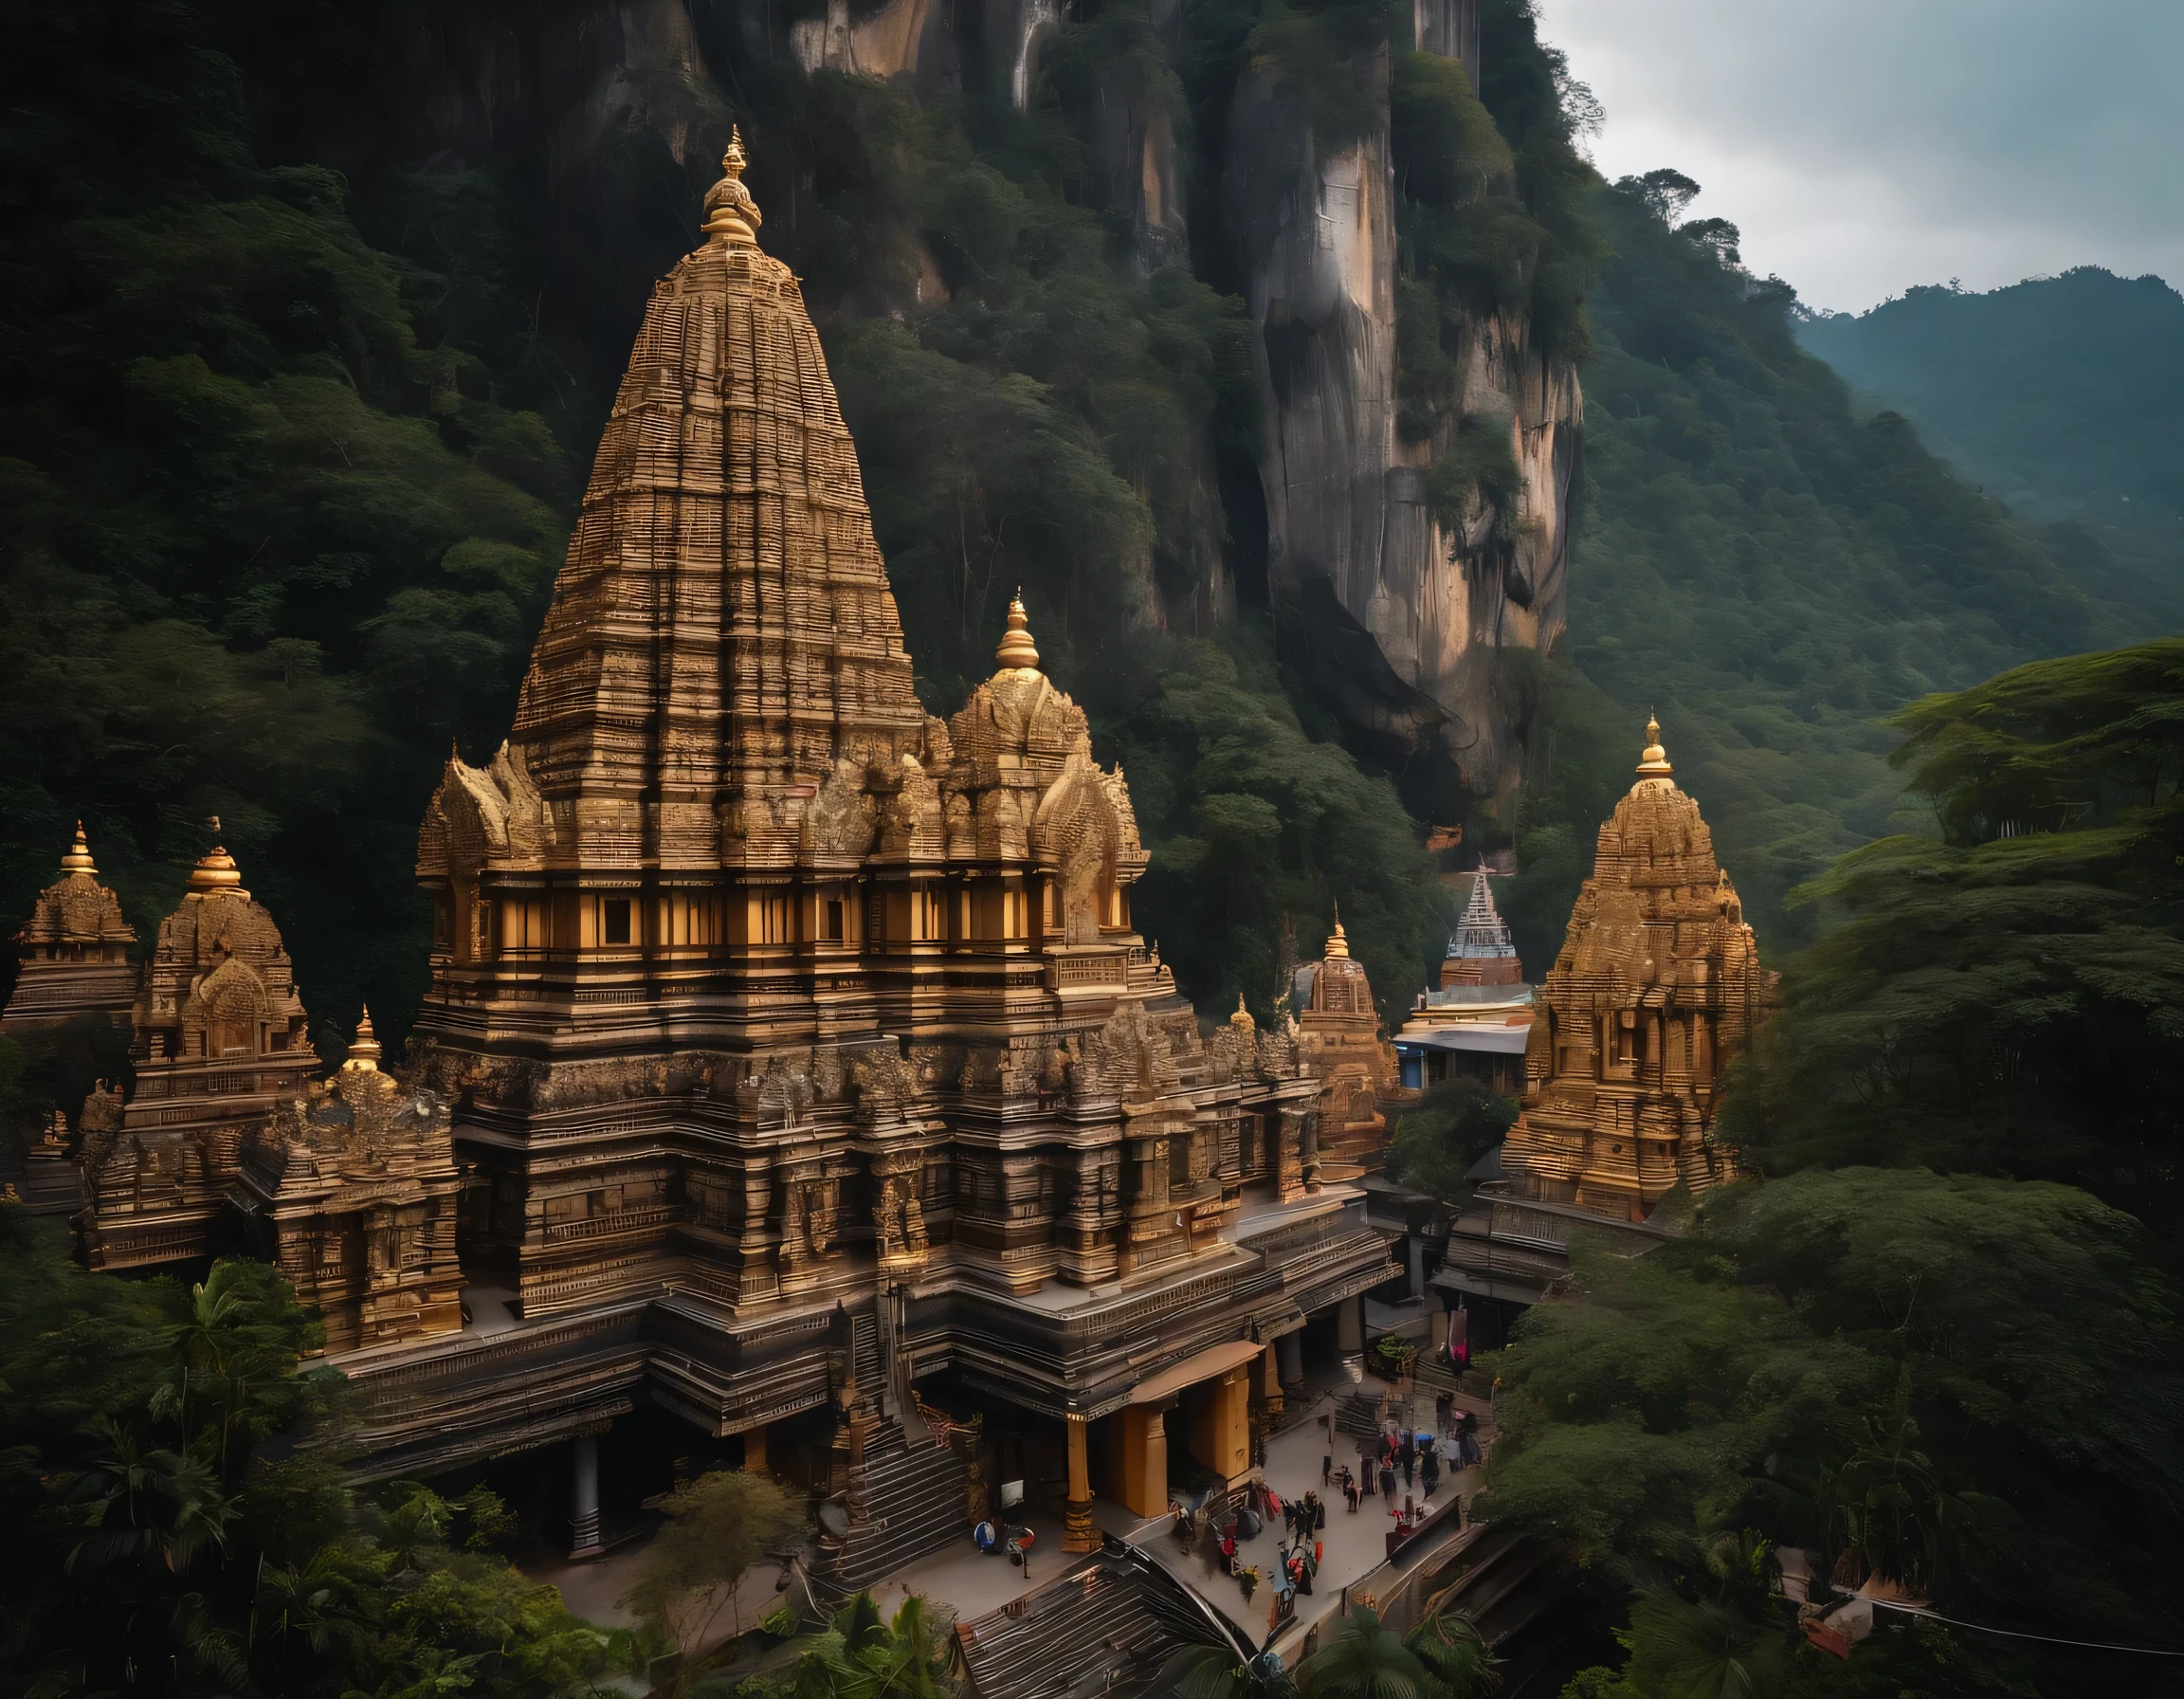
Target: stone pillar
[1270, 1375]
[1350, 1337]
[1291, 1349]
[1144, 1483]
[1417, 1265]
[754, 1450]
[584, 1499]
[1078, 1532]
[1229, 1424]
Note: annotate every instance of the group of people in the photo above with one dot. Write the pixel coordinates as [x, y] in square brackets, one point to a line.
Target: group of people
[1418, 1456]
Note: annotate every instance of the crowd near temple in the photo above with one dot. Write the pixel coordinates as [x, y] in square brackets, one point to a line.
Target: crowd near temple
[794, 1090]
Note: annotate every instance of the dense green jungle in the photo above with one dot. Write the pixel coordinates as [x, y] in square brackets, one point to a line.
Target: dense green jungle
[295, 416]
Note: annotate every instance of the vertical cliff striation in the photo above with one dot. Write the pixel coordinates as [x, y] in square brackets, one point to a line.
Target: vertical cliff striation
[1410, 525]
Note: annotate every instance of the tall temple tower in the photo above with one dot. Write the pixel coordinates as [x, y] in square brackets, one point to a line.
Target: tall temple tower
[1656, 990]
[799, 1043]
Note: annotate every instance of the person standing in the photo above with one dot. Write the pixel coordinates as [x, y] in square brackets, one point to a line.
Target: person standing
[1407, 1453]
[1327, 1468]
[1388, 1487]
[1429, 1470]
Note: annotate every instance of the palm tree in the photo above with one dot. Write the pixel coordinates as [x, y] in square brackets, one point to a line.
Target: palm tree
[1363, 1660]
[860, 1657]
[1455, 1654]
[1218, 1672]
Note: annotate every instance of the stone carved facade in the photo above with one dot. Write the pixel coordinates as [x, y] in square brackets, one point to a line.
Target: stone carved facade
[764, 997]
[219, 1042]
[355, 1184]
[74, 950]
[1656, 990]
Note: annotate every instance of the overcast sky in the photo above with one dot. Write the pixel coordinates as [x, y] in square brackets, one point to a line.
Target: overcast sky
[1864, 146]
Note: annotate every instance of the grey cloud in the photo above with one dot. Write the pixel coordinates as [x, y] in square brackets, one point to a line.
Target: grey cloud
[1868, 145]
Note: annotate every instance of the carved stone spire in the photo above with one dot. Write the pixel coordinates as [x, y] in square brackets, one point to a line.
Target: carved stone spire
[722, 636]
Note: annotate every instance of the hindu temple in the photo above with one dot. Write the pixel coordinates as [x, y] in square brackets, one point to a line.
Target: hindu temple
[1475, 1024]
[1657, 988]
[792, 1071]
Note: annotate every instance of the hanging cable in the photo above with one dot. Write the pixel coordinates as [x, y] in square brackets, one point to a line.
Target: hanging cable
[1912, 1610]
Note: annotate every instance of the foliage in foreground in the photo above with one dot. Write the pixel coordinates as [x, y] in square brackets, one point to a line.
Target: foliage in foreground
[2005, 999]
[717, 1527]
[1969, 1384]
[167, 1536]
[1442, 1657]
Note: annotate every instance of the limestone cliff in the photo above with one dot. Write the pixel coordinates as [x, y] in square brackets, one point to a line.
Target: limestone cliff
[1398, 600]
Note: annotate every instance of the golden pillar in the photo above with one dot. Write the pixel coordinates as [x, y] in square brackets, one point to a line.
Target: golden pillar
[1270, 1379]
[1229, 1419]
[1078, 1532]
[1144, 1460]
[754, 1450]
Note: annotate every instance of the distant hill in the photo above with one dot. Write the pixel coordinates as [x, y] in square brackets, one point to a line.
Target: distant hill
[2063, 396]
[1776, 565]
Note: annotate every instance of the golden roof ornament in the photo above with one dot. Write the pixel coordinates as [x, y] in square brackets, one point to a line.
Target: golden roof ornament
[364, 1049]
[78, 860]
[1654, 759]
[1017, 649]
[216, 871]
[1337, 944]
[731, 217]
[1242, 1019]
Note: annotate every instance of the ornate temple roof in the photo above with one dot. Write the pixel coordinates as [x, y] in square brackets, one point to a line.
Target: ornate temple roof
[1481, 932]
[1658, 985]
[76, 909]
[722, 636]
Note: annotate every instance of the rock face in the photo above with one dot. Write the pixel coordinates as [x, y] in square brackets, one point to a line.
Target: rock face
[1396, 619]
[1402, 622]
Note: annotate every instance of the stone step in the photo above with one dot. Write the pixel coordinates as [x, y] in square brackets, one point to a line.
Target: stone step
[902, 1506]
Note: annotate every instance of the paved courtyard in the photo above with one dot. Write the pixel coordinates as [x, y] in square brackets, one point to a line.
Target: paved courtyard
[965, 1583]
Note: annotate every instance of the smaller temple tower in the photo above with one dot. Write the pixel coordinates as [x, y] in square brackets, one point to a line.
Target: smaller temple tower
[74, 950]
[219, 1043]
[355, 1192]
[1656, 990]
[1338, 1034]
[1474, 1025]
[1480, 951]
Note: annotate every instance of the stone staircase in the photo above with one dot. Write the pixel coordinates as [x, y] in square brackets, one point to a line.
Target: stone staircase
[1104, 1628]
[905, 1500]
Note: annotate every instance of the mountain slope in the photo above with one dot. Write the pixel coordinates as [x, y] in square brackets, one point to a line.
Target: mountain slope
[1771, 574]
[2062, 395]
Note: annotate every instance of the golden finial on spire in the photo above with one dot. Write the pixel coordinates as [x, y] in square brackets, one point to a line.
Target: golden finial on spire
[1242, 1019]
[1338, 942]
[731, 217]
[78, 860]
[215, 871]
[364, 1049]
[1654, 759]
[1017, 649]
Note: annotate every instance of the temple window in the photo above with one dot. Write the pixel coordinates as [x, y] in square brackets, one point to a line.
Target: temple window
[443, 919]
[615, 919]
[831, 921]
